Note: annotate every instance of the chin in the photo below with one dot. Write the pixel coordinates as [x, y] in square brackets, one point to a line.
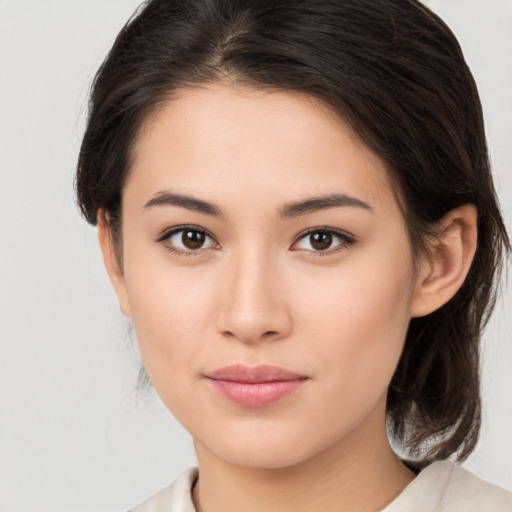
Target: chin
[278, 451]
[262, 458]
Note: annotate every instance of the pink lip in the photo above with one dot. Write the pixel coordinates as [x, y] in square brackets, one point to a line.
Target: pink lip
[255, 387]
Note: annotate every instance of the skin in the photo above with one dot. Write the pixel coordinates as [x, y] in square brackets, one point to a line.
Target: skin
[260, 292]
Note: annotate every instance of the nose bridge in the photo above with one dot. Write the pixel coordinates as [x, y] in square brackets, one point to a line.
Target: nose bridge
[253, 303]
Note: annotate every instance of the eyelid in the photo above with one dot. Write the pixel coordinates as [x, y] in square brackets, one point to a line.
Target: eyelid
[326, 229]
[167, 233]
[347, 240]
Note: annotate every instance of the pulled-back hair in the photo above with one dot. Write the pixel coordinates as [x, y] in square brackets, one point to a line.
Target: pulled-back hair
[395, 72]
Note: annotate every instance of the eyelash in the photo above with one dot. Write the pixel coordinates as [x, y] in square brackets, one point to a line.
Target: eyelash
[346, 240]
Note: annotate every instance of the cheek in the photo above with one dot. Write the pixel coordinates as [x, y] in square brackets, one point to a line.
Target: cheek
[359, 319]
[170, 307]
[349, 322]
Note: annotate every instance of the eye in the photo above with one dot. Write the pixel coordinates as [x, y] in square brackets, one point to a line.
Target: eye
[323, 241]
[186, 240]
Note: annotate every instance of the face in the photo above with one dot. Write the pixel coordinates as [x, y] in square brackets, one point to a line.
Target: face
[258, 230]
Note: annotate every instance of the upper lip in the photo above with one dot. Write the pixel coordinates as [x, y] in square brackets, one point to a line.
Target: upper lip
[261, 373]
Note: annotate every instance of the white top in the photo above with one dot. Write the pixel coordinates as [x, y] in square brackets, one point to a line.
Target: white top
[441, 487]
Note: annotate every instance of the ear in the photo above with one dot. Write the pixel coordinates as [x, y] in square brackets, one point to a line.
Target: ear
[443, 272]
[114, 270]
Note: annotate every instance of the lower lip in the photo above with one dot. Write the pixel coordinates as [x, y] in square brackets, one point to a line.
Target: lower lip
[258, 394]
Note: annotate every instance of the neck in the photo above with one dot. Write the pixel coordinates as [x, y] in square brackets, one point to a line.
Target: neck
[360, 473]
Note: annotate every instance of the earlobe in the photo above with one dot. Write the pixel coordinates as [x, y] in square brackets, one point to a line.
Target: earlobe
[112, 265]
[451, 254]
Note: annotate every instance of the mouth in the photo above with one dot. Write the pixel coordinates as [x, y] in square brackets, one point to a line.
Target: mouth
[260, 386]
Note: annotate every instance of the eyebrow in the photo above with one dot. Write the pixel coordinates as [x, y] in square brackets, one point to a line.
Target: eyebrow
[165, 198]
[318, 203]
[289, 210]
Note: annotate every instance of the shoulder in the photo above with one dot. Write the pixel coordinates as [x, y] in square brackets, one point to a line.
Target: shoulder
[471, 493]
[441, 487]
[447, 487]
[176, 497]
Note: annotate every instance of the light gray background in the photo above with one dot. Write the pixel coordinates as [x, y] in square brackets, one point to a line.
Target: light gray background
[73, 435]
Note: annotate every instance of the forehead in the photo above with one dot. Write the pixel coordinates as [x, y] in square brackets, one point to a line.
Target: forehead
[229, 141]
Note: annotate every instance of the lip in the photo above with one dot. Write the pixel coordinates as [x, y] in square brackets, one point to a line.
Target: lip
[259, 386]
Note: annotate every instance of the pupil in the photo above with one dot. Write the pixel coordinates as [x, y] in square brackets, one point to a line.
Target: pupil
[321, 241]
[192, 239]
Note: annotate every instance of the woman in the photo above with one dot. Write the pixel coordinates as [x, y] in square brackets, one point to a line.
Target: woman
[295, 207]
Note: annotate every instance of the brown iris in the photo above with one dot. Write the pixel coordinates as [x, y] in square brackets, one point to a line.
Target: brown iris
[193, 239]
[321, 241]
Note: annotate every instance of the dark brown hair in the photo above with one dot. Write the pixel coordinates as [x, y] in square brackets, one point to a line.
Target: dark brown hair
[395, 72]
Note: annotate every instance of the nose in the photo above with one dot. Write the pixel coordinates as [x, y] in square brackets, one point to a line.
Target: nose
[253, 303]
